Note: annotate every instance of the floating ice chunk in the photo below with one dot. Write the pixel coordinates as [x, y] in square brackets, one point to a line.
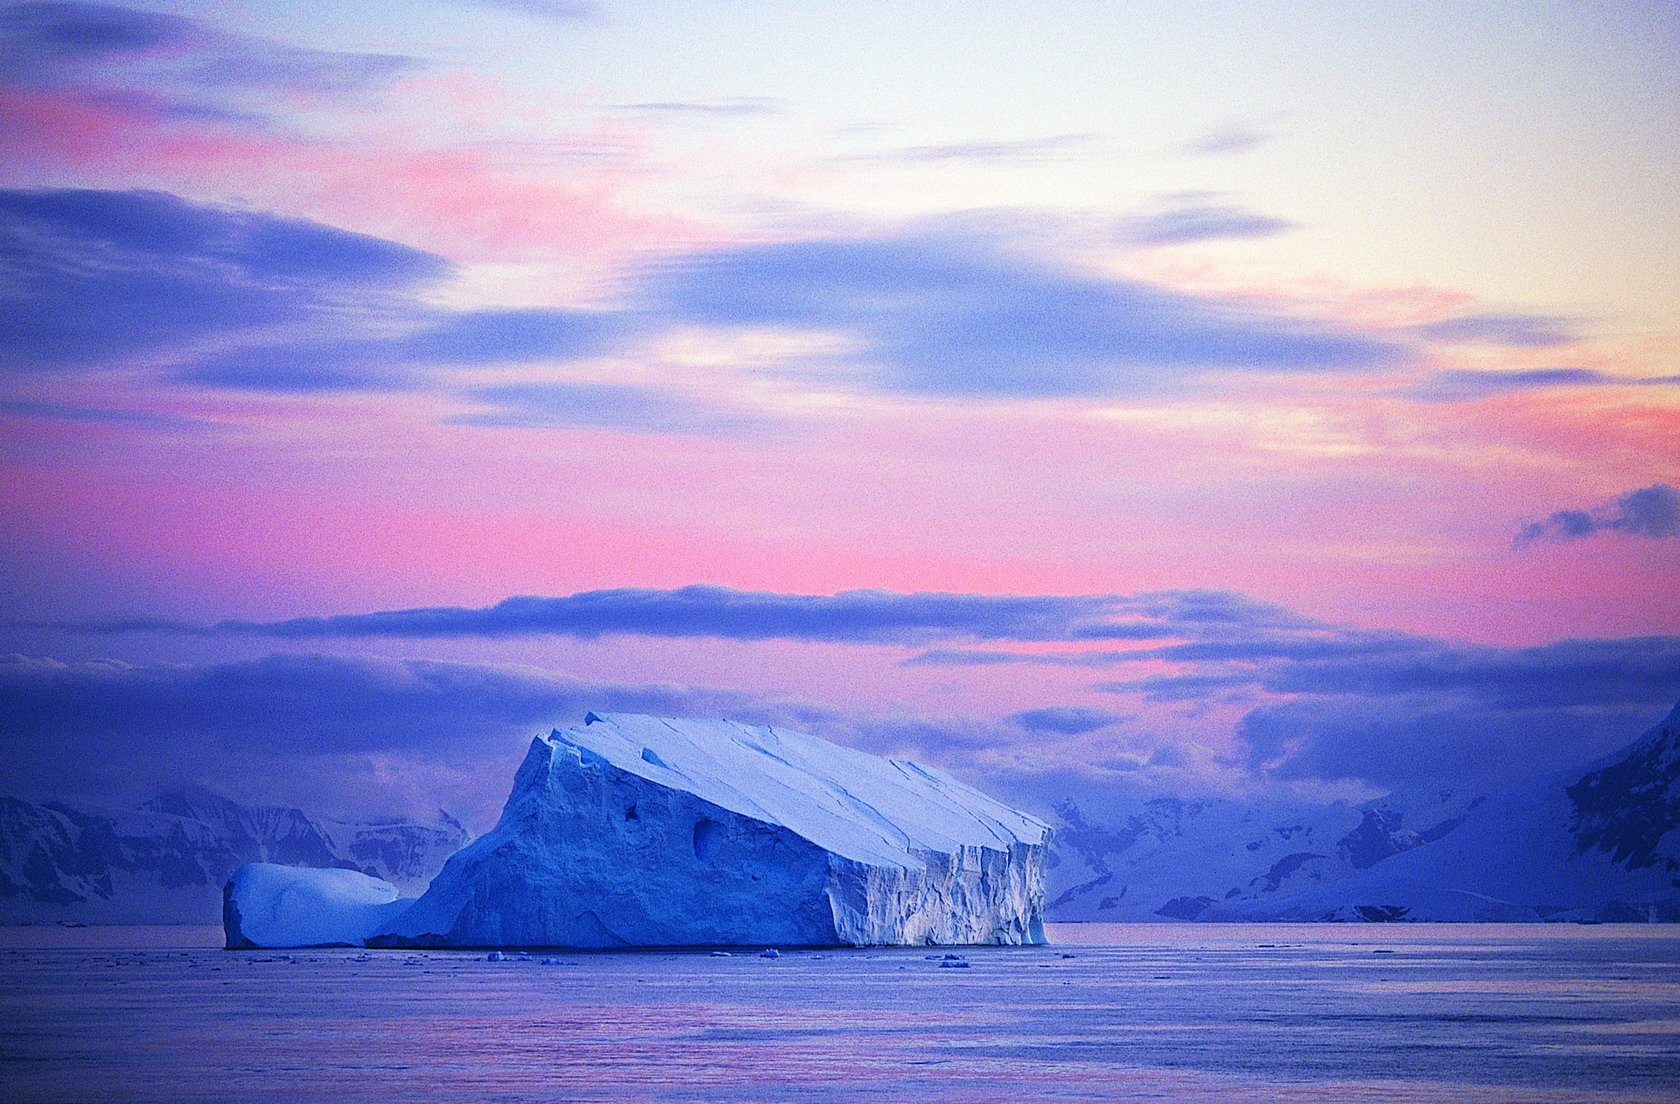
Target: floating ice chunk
[265, 905]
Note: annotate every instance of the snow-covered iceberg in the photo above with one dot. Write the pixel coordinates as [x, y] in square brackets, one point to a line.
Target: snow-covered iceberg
[267, 905]
[633, 831]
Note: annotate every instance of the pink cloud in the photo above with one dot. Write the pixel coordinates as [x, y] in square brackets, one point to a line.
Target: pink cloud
[50, 128]
[1324, 296]
[318, 507]
[461, 200]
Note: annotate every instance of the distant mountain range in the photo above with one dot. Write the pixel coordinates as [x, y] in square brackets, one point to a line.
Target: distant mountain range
[1600, 845]
[165, 861]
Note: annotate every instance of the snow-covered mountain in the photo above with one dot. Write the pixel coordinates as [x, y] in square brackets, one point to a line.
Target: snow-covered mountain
[165, 860]
[1168, 858]
[1600, 845]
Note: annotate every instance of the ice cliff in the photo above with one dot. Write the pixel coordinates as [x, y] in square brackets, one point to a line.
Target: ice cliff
[633, 831]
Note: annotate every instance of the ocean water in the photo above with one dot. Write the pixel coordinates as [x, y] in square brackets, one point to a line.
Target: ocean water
[1179, 1012]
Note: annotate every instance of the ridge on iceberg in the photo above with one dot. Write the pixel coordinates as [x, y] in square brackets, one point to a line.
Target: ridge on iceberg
[635, 831]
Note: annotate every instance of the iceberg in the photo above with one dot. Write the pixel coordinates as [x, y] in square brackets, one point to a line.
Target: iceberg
[268, 905]
[635, 831]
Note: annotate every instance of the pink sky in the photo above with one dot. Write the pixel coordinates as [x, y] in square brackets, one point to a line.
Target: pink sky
[787, 380]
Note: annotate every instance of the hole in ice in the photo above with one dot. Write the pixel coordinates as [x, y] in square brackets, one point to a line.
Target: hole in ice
[630, 813]
[707, 836]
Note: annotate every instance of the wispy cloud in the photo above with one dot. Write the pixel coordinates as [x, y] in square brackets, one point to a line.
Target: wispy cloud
[397, 362]
[102, 92]
[237, 298]
[1652, 512]
[1399, 709]
[228, 298]
[172, 57]
[1313, 700]
[957, 316]
[1022, 150]
[1369, 666]
[1065, 720]
[89, 278]
[165, 722]
[561, 11]
[603, 405]
[1226, 139]
[732, 107]
[346, 722]
[70, 412]
[990, 657]
[1183, 223]
[1468, 385]
[1523, 331]
[860, 616]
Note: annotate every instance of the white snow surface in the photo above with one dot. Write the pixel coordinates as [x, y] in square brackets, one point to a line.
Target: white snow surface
[268, 905]
[845, 801]
[635, 831]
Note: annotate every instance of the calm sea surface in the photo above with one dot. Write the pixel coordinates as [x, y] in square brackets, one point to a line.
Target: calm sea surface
[1225, 1013]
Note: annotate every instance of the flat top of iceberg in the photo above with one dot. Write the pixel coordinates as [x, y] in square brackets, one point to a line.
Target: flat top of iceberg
[846, 801]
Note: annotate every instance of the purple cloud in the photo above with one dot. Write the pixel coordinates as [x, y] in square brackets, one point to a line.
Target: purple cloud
[1317, 700]
[90, 278]
[1652, 512]
[72, 43]
[1049, 147]
[1226, 139]
[1064, 720]
[1524, 331]
[959, 317]
[1467, 385]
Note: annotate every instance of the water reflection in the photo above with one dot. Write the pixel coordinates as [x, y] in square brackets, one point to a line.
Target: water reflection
[1145, 1012]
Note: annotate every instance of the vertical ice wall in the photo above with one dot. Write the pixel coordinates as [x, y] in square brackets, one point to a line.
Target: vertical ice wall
[638, 831]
